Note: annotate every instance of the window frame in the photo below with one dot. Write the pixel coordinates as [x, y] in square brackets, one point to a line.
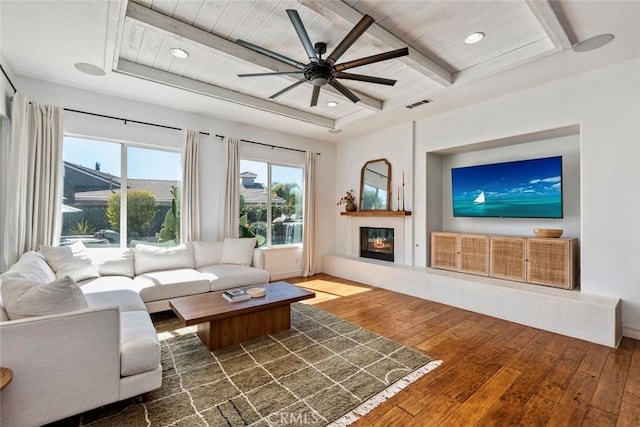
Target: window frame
[124, 145]
[268, 244]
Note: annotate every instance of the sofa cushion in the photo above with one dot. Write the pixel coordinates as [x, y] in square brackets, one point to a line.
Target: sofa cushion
[153, 258]
[59, 256]
[207, 253]
[25, 298]
[139, 345]
[31, 266]
[107, 283]
[113, 262]
[238, 251]
[231, 276]
[70, 261]
[161, 285]
[124, 299]
[3, 313]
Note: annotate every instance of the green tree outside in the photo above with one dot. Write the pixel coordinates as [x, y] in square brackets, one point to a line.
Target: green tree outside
[141, 208]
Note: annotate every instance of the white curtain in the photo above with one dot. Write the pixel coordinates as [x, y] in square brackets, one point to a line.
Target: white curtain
[190, 204]
[232, 193]
[34, 186]
[309, 217]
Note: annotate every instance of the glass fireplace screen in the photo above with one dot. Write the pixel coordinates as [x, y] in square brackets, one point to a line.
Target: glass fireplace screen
[377, 243]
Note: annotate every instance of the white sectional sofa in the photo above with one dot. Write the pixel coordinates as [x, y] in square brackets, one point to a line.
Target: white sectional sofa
[77, 343]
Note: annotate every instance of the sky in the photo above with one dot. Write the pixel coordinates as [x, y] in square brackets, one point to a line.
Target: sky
[283, 174]
[536, 177]
[143, 163]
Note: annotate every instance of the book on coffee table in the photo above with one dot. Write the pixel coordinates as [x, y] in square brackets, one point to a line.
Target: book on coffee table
[235, 295]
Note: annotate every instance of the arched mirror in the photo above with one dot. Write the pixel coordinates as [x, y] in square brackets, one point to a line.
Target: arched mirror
[375, 186]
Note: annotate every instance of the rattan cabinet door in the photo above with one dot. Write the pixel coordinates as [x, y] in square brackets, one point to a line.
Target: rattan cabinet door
[474, 254]
[509, 258]
[444, 250]
[550, 262]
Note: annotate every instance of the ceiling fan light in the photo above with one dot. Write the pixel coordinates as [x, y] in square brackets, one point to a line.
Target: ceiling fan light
[319, 81]
[474, 37]
[179, 53]
[332, 104]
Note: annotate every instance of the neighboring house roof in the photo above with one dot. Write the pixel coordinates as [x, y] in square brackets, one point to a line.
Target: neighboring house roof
[93, 187]
[78, 178]
[254, 196]
[160, 188]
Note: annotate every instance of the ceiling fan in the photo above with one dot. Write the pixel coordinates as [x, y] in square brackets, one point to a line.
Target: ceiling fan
[319, 71]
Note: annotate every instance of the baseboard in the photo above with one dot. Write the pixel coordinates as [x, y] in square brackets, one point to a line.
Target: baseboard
[285, 275]
[631, 331]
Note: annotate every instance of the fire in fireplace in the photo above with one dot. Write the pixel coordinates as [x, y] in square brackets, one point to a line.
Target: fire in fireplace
[377, 243]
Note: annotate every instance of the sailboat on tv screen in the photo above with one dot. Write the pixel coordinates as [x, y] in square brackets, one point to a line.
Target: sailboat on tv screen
[480, 199]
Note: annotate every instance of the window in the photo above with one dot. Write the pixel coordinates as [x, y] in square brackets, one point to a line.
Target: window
[271, 202]
[104, 201]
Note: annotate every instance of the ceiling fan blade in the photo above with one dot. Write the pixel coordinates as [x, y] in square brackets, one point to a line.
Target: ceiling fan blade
[302, 35]
[350, 39]
[343, 90]
[288, 88]
[314, 96]
[371, 59]
[271, 54]
[276, 73]
[369, 79]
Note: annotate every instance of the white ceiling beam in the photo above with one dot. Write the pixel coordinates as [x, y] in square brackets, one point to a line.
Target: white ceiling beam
[115, 27]
[174, 26]
[337, 10]
[170, 79]
[555, 28]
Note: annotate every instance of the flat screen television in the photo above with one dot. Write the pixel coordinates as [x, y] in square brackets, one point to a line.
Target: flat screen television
[520, 189]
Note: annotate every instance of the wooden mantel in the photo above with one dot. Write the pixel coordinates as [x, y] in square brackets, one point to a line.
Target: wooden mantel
[377, 213]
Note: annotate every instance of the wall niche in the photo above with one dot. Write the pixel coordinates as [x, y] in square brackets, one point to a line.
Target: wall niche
[563, 142]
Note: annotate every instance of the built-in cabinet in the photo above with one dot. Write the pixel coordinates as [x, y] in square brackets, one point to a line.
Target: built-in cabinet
[550, 262]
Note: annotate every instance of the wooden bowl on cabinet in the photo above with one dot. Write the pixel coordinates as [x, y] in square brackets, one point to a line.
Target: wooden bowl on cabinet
[548, 232]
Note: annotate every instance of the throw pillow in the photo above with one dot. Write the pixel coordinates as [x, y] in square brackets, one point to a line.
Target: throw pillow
[70, 261]
[113, 262]
[207, 253]
[154, 258]
[31, 266]
[238, 251]
[24, 298]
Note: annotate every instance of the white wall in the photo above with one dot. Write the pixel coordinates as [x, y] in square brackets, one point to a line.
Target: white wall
[394, 144]
[605, 104]
[212, 176]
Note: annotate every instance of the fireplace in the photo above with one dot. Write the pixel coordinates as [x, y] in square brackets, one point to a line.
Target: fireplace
[377, 243]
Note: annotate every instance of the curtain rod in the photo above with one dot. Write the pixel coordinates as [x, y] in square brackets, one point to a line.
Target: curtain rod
[128, 120]
[269, 145]
[6, 76]
[102, 115]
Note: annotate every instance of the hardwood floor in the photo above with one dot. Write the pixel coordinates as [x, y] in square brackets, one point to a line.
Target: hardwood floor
[494, 372]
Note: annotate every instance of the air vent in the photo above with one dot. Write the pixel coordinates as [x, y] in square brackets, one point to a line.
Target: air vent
[415, 104]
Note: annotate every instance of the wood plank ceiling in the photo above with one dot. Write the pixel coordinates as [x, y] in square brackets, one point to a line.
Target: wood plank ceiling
[516, 31]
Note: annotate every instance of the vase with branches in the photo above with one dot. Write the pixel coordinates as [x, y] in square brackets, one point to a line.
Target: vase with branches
[349, 201]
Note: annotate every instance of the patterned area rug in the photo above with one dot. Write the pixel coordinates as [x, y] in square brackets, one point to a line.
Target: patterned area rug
[324, 371]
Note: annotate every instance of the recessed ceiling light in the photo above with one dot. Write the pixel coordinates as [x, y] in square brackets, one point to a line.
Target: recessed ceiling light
[332, 104]
[335, 130]
[474, 37]
[179, 53]
[90, 69]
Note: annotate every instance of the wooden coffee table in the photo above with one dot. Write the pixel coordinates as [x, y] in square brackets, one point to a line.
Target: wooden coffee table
[222, 323]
